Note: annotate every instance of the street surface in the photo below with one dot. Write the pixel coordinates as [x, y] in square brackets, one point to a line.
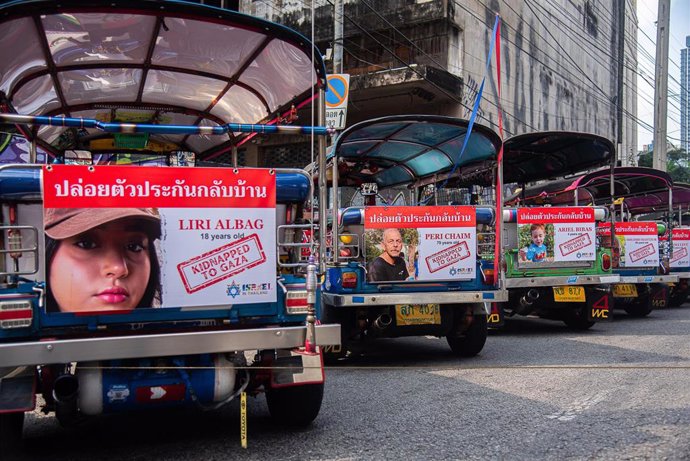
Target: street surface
[537, 391]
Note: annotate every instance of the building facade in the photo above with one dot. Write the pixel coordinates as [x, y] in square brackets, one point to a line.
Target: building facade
[559, 61]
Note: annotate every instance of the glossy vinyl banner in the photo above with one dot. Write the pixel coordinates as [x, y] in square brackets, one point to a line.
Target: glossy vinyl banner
[638, 242]
[122, 237]
[681, 248]
[420, 243]
[556, 234]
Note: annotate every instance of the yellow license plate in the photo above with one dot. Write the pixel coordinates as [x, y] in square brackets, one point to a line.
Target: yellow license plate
[417, 314]
[624, 290]
[569, 294]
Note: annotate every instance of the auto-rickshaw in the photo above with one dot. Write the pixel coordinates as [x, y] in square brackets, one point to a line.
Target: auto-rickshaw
[556, 266]
[139, 271]
[628, 192]
[404, 261]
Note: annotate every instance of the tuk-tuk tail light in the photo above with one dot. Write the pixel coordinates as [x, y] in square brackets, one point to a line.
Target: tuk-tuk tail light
[296, 302]
[349, 279]
[488, 276]
[15, 314]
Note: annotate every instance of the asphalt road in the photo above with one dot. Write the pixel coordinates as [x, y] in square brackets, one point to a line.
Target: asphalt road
[537, 391]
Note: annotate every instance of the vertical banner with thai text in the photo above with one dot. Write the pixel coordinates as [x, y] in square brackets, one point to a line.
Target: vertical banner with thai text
[420, 243]
[556, 234]
[215, 236]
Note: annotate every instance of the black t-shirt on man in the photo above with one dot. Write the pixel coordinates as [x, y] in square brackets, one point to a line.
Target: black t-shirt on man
[380, 271]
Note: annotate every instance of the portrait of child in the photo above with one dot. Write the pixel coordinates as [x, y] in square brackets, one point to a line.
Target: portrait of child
[536, 251]
[101, 259]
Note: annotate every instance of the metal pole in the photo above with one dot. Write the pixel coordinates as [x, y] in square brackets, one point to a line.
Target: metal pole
[661, 86]
[323, 191]
[32, 151]
[338, 15]
[621, 69]
[335, 252]
[668, 254]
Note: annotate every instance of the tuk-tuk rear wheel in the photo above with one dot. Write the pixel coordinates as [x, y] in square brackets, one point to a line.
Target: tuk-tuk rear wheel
[577, 320]
[678, 297]
[640, 306]
[295, 406]
[472, 340]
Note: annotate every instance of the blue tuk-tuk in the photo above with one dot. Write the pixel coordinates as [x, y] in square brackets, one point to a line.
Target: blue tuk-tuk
[121, 111]
[404, 259]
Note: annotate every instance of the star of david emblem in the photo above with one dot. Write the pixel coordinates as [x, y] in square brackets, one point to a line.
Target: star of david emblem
[233, 290]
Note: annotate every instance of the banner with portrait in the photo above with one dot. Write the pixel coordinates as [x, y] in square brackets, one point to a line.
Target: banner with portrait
[213, 230]
[420, 243]
[638, 242]
[556, 234]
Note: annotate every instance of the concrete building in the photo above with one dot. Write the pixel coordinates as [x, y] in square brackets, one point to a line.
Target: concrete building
[559, 62]
[685, 96]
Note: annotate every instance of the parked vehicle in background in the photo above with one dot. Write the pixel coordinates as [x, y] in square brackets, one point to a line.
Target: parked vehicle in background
[410, 264]
[136, 273]
[639, 260]
[557, 267]
[680, 243]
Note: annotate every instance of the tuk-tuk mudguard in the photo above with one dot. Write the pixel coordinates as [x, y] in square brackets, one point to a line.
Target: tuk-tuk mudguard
[17, 389]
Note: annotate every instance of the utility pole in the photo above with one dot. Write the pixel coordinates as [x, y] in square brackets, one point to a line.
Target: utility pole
[621, 157]
[661, 85]
[338, 16]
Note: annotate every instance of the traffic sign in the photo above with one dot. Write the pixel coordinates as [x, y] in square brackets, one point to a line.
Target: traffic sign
[337, 91]
[335, 118]
[336, 100]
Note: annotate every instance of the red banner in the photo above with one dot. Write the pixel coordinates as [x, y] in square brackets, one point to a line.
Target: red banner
[553, 216]
[77, 186]
[629, 228]
[681, 234]
[382, 217]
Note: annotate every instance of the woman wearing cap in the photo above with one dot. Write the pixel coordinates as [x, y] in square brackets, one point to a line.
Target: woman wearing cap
[101, 259]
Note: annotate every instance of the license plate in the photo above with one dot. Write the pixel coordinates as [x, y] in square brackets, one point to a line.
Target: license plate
[417, 314]
[625, 290]
[569, 294]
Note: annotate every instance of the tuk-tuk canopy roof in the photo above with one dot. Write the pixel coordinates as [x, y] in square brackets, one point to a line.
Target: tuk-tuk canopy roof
[553, 154]
[643, 189]
[681, 195]
[403, 149]
[152, 62]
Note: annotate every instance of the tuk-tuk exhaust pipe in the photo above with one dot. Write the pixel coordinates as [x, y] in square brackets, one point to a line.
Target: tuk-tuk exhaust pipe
[65, 393]
[528, 299]
[383, 321]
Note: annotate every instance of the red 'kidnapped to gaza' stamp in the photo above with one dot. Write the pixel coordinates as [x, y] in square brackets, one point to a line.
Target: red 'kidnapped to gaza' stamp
[447, 256]
[679, 254]
[642, 252]
[574, 244]
[221, 263]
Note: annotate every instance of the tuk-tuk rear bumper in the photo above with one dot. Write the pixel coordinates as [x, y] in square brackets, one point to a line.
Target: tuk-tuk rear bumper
[561, 280]
[56, 351]
[649, 278]
[385, 299]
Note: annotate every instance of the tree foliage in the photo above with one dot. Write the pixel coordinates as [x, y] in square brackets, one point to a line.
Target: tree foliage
[676, 164]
